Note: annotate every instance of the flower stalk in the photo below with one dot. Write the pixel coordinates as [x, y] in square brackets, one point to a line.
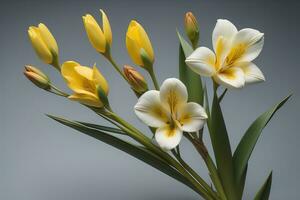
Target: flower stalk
[168, 110]
[141, 138]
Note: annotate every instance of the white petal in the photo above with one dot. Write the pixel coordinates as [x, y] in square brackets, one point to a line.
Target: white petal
[202, 61]
[192, 117]
[225, 29]
[149, 110]
[253, 41]
[252, 72]
[168, 138]
[232, 77]
[173, 93]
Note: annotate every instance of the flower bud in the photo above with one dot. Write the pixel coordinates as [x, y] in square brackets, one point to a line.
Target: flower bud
[101, 39]
[191, 28]
[135, 79]
[44, 44]
[139, 46]
[37, 77]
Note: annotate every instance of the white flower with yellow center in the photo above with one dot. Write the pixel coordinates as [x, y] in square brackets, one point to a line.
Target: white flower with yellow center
[231, 63]
[169, 112]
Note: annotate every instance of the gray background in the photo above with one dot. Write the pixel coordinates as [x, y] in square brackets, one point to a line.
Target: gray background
[43, 160]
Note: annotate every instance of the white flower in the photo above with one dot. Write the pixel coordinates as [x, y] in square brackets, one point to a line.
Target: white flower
[231, 63]
[169, 112]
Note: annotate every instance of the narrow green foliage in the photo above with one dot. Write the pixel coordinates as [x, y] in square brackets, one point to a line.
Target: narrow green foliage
[264, 191]
[248, 142]
[138, 152]
[222, 149]
[102, 128]
[191, 80]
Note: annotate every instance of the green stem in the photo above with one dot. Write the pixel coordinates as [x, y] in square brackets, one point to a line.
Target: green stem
[114, 64]
[200, 147]
[195, 175]
[153, 77]
[55, 63]
[58, 91]
[216, 85]
[138, 136]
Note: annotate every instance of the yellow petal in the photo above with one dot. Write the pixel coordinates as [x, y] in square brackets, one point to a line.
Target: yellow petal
[76, 77]
[68, 70]
[149, 109]
[173, 94]
[106, 28]
[222, 36]
[191, 117]
[202, 61]
[94, 33]
[48, 38]
[253, 42]
[168, 137]
[84, 72]
[89, 100]
[39, 45]
[252, 73]
[232, 77]
[100, 80]
[134, 51]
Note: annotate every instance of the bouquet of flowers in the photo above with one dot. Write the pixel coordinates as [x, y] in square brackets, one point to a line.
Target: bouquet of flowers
[175, 110]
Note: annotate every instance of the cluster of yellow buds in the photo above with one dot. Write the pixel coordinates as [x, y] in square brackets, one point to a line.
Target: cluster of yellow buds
[168, 110]
[85, 81]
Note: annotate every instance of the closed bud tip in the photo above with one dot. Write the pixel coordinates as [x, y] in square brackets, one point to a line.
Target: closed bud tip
[191, 28]
[37, 77]
[135, 79]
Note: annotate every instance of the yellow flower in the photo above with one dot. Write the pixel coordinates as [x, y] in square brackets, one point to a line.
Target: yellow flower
[137, 41]
[84, 81]
[43, 43]
[231, 63]
[100, 39]
[37, 77]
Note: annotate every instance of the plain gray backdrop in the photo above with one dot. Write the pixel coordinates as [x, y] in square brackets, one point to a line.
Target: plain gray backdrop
[43, 160]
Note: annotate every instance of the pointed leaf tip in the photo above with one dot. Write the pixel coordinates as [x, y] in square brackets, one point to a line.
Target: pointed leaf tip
[245, 147]
[264, 191]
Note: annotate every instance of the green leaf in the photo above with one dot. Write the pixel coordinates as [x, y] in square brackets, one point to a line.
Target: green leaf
[248, 141]
[206, 104]
[191, 80]
[223, 94]
[103, 128]
[222, 149]
[241, 186]
[138, 152]
[264, 192]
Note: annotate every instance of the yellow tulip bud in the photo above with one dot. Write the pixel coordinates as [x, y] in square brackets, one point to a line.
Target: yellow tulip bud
[37, 77]
[138, 45]
[135, 79]
[84, 81]
[100, 39]
[192, 28]
[44, 44]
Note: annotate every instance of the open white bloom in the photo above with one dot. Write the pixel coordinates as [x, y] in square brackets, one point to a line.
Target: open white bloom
[231, 63]
[169, 112]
